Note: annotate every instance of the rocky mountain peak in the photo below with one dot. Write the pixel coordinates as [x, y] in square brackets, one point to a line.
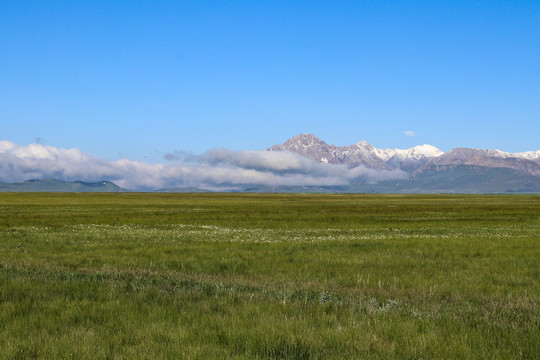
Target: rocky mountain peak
[301, 141]
[311, 146]
[305, 138]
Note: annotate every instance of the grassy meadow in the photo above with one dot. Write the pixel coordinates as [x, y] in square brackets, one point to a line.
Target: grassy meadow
[281, 276]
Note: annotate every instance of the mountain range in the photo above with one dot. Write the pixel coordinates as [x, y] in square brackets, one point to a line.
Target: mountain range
[417, 159]
[303, 163]
[361, 153]
[428, 168]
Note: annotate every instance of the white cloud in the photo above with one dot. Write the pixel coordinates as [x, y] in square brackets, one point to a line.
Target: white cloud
[216, 169]
[409, 133]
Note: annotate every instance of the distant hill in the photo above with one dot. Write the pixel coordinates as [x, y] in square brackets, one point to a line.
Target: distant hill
[52, 185]
[460, 179]
[436, 179]
[183, 190]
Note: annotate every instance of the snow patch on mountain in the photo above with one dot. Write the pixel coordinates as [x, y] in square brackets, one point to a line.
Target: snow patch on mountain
[528, 155]
[415, 153]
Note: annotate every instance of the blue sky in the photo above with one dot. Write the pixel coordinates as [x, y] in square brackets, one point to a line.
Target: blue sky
[139, 79]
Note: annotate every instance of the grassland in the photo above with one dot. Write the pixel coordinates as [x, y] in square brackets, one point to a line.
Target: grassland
[252, 276]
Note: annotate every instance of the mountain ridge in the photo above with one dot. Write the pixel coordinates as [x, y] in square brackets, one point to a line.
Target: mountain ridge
[485, 158]
[54, 185]
[414, 160]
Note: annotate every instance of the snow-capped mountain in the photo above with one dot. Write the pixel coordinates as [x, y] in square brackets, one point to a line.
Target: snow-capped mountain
[487, 158]
[312, 147]
[361, 153]
[408, 159]
[418, 152]
[414, 160]
[529, 155]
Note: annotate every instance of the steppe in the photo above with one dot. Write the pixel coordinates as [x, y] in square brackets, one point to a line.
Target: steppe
[269, 276]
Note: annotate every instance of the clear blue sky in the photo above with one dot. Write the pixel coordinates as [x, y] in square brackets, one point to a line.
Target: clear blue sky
[138, 79]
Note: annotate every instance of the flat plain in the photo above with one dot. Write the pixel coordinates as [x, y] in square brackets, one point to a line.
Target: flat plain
[269, 276]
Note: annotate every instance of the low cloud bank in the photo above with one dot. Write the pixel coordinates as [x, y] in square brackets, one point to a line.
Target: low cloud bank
[216, 169]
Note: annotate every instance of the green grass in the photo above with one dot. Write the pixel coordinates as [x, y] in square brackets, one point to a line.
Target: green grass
[254, 276]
